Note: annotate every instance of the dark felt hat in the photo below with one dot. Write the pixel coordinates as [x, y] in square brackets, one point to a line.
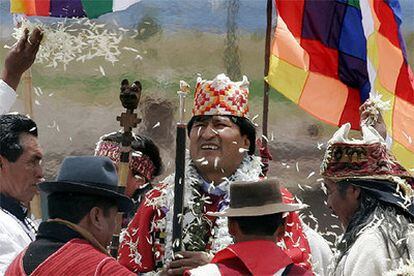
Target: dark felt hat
[93, 175]
[256, 198]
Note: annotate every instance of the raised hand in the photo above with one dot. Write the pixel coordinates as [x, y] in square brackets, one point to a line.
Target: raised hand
[21, 57]
[371, 116]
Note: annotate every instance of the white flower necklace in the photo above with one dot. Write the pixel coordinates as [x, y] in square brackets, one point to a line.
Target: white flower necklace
[249, 170]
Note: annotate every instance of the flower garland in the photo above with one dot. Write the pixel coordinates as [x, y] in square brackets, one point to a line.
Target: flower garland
[195, 224]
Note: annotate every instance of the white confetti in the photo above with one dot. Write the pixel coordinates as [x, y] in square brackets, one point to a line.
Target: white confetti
[102, 71]
[255, 117]
[310, 175]
[80, 40]
[216, 160]
[130, 49]
[408, 137]
[319, 146]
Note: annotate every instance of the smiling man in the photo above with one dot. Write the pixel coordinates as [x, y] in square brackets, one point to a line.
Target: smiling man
[222, 145]
[20, 172]
[373, 198]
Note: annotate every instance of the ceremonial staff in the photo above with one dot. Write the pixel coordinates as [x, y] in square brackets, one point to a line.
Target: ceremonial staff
[179, 170]
[130, 96]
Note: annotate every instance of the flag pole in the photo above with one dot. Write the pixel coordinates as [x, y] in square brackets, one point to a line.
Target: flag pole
[264, 150]
[266, 71]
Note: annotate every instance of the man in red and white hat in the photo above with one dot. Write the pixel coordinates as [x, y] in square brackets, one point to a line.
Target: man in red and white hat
[255, 219]
[371, 193]
[145, 163]
[222, 145]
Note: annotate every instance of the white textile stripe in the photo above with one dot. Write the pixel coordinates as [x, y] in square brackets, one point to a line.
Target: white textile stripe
[119, 5]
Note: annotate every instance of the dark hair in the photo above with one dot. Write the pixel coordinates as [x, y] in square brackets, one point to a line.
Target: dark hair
[392, 223]
[259, 225]
[11, 126]
[246, 127]
[142, 144]
[73, 207]
[342, 188]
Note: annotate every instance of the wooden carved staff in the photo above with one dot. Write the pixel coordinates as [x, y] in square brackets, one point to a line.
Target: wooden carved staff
[130, 96]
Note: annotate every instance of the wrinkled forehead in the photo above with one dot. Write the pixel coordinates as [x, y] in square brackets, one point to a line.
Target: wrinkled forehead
[214, 118]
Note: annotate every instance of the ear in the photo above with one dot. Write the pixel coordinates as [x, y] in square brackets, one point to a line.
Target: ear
[3, 163]
[96, 217]
[245, 142]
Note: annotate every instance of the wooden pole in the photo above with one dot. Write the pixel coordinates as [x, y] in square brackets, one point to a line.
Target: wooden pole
[27, 93]
[35, 204]
[130, 96]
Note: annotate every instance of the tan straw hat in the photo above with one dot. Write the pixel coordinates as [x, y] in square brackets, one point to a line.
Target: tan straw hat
[256, 198]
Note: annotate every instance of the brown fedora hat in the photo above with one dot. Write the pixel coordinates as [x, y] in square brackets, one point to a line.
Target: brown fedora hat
[256, 198]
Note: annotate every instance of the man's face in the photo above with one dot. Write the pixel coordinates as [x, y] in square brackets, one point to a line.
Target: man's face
[135, 181]
[343, 205]
[109, 226]
[216, 145]
[20, 178]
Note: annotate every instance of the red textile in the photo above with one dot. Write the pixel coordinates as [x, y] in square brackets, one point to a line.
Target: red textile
[260, 257]
[77, 257]
[140, 237]
[297, 245]
[254, 257]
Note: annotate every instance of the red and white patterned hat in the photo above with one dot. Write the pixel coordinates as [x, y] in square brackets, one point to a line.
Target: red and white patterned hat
[363, 159]
[221, 96]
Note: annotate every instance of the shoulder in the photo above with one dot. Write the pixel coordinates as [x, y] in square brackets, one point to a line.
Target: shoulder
[368, 255]
[6, 218]
[369, 244]
[7, 97]
[369, 240]
[11, 230]
[79, 249]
